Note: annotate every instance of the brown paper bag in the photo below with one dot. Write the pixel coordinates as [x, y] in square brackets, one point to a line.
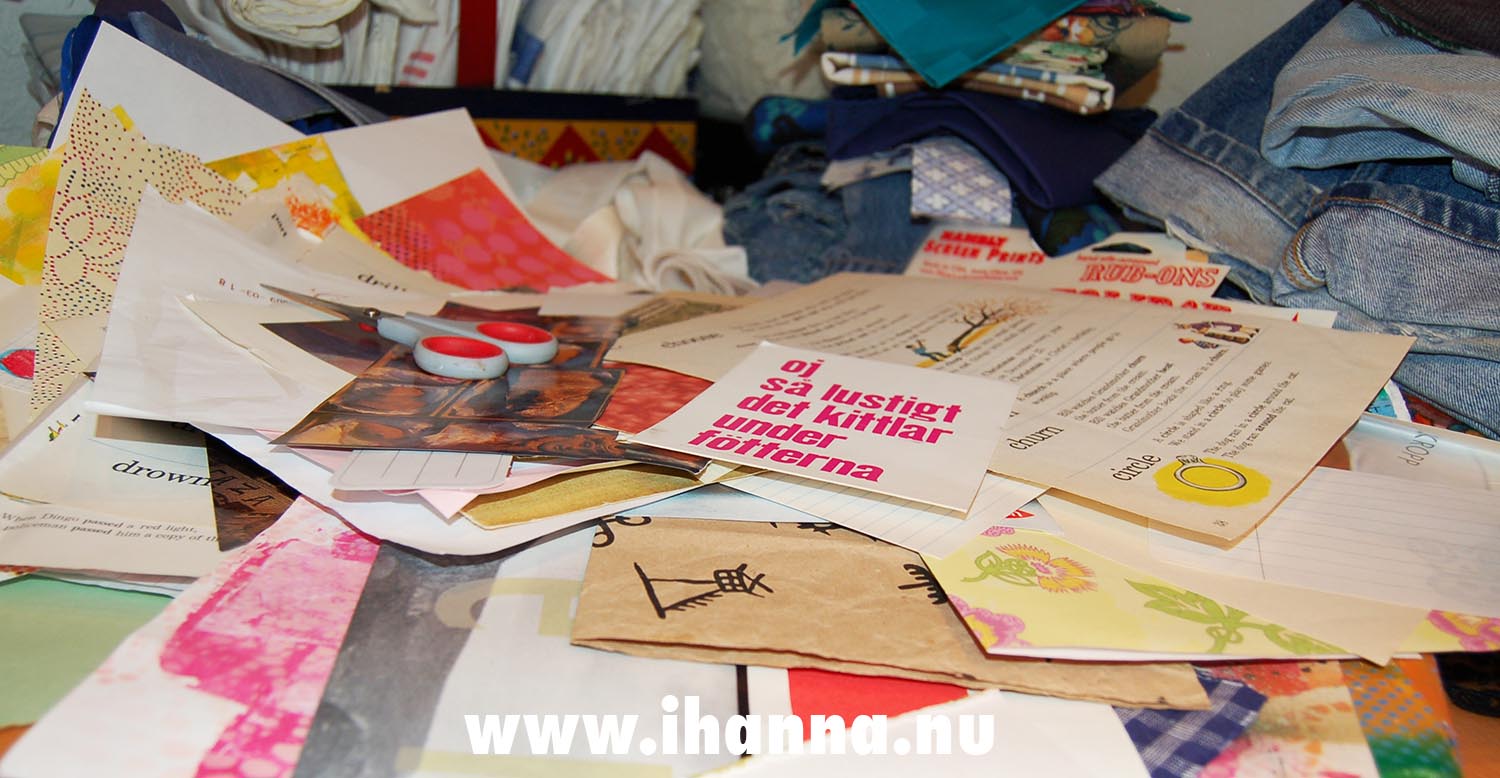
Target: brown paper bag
[816, 595]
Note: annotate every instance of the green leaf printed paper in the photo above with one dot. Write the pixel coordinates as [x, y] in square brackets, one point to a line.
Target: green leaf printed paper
[1022, 589]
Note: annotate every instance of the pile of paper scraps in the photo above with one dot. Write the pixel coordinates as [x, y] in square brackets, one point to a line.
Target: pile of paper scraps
[1134, 529]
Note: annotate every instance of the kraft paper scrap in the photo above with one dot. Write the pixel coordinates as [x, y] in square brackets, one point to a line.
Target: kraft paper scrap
[815, 596]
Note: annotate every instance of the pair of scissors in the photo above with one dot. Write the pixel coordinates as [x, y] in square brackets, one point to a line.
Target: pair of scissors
[445, 347]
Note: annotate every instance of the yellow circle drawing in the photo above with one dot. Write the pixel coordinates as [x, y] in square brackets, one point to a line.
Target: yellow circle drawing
[1212, 482]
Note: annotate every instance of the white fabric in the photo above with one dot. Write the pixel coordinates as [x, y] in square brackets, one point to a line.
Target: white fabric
[615, 46]
[307, 23]
[427, 54]
[641, 222]
[640, 47]
[745, 56]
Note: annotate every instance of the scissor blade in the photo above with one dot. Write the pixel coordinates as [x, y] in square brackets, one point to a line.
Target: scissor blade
[350, 312]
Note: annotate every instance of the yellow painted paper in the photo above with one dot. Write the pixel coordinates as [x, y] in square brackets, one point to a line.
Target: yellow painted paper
[569, 493]
[255, 171]
[25, 208]
[1033, 589]
[105, 168]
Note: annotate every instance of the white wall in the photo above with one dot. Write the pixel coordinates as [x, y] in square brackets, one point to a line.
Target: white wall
[1220, 31]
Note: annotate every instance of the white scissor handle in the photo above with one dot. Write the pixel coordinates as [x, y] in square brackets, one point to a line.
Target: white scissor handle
[468, 350]
[460, 356]
[525, 344]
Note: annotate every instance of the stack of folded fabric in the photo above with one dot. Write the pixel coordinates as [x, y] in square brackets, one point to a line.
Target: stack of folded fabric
[1001, 116]
[1349, 162]
[1077, 61]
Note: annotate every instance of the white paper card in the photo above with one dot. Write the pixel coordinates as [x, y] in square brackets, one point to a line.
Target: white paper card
[722, 502]
[161, 361]
[395, 469]
[404, 519]
[915, 434]
[170, 104]
[57, 536]
[144, 470]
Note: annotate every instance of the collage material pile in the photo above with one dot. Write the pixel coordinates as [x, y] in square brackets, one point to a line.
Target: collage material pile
[1132, 534]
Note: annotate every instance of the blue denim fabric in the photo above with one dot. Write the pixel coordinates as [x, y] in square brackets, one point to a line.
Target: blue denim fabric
[881, 234]
[1395, 246]
[1393, 259]
[793, 230]
[1360, 91]
[785, 220]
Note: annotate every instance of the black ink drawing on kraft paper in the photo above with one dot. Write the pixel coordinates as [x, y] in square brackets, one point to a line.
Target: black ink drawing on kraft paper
[680, 594]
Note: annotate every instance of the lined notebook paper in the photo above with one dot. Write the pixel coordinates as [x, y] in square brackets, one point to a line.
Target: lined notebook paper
[1368, 535]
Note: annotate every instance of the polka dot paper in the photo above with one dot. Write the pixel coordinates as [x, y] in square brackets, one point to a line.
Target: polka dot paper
[105, 168]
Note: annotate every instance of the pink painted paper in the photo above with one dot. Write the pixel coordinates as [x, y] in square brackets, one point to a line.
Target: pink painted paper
[225, 681]
[268, 636]
[468, 233]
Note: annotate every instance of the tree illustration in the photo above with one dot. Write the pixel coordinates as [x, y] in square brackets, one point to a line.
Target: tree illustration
[980, 313]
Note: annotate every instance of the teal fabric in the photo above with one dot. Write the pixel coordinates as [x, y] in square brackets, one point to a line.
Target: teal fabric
[942, 39]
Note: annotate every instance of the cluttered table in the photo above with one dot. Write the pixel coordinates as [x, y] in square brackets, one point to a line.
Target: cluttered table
[373, 451]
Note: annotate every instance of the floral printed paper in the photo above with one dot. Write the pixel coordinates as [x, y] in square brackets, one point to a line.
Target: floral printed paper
[1032, 589]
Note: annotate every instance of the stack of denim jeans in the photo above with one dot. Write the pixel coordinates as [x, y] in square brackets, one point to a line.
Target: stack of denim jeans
[1342, 165]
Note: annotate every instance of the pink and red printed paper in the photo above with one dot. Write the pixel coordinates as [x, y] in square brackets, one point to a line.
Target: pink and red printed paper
[468, 233]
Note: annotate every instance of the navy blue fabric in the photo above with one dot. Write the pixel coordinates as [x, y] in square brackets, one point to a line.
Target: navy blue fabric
[1050, 156]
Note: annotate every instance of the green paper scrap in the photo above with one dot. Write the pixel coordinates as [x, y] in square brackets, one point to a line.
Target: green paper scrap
[56, 633]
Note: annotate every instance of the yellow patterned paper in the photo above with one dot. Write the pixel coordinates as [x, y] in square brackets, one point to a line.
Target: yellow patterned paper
[255, 171]
[1021, 588]
[105, 169]
[25, 208]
